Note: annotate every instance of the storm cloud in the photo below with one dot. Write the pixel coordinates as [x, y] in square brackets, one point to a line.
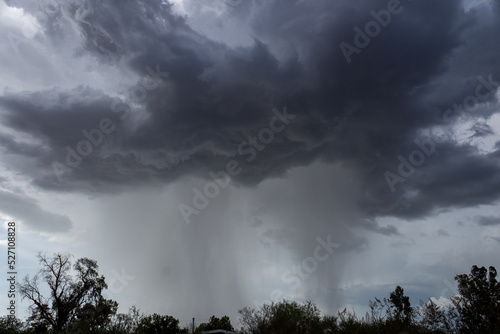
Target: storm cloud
[133, 95]
[363, 114]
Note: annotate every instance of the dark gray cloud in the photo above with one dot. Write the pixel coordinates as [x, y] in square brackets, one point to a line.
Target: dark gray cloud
[442, 233]
[30, 213]
[487, 220]
[364, 114]
[374, 227]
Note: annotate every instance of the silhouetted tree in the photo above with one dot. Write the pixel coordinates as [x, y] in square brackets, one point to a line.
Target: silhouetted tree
[125, 323]
[400, 304]
[158, 324]
[394, 314]
[75, 305]
[329, 324]
[435, 318]
[283, 317]
[11, 325]
[223, 323]
[72, 290]
[478, 304]
[349, 323]
[94, 319]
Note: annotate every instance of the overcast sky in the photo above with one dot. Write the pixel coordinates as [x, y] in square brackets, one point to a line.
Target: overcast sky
[217, 154]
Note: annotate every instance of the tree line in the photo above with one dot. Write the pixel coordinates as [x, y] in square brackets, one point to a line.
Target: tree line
[75, 304]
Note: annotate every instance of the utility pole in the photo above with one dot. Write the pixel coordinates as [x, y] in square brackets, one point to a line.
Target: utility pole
[193, 326]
